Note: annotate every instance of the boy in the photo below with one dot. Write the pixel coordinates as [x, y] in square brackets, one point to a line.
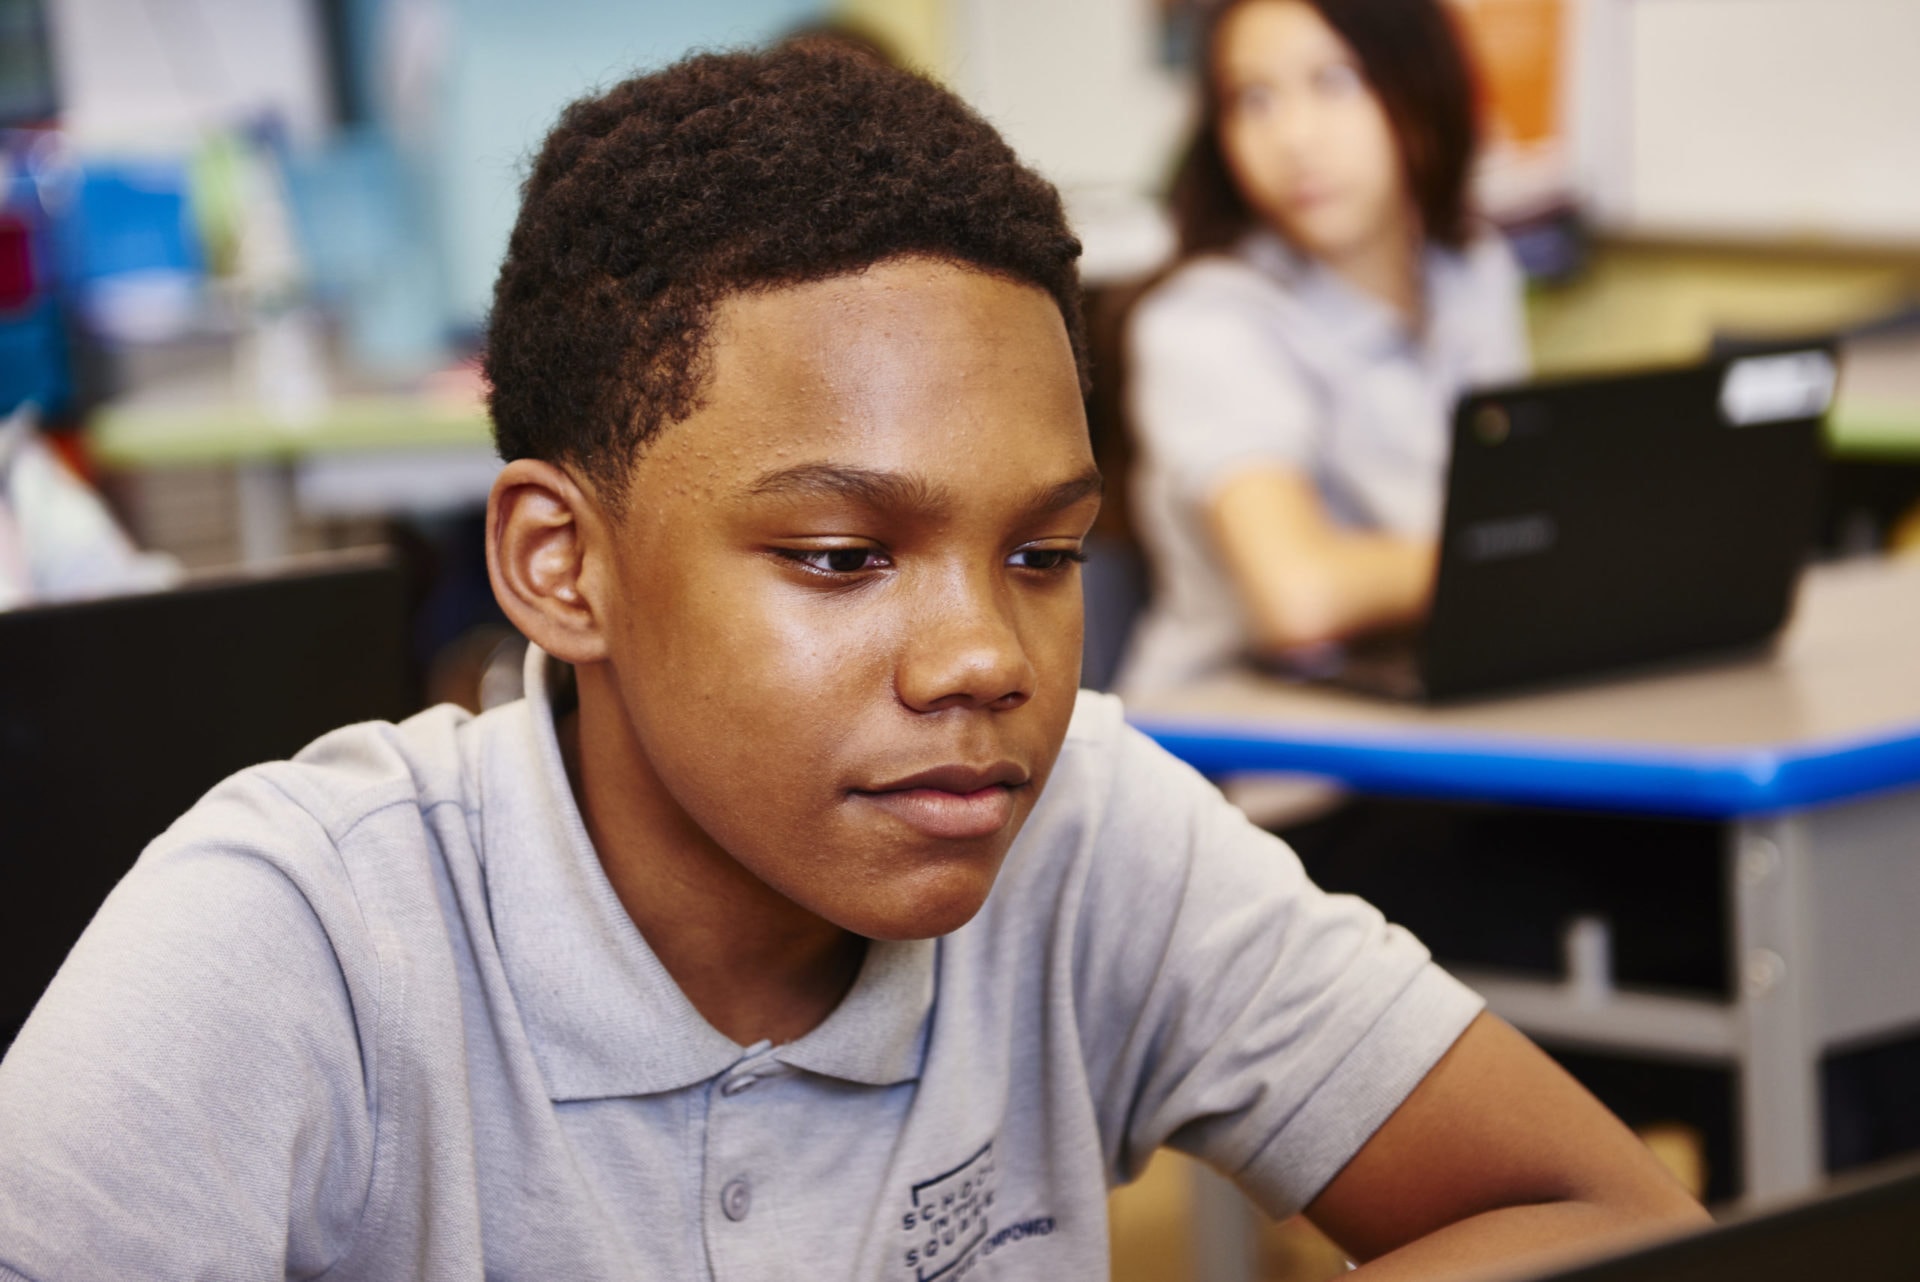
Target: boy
[800, 922]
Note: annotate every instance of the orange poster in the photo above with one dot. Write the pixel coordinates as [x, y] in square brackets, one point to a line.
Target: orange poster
[1520, 49]
[1518, 45]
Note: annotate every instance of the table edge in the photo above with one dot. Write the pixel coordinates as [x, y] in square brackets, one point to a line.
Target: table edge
[1716, 783]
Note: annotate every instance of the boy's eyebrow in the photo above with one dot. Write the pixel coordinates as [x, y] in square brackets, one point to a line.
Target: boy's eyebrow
[1088, 485]
[899, 491]
[865, 485]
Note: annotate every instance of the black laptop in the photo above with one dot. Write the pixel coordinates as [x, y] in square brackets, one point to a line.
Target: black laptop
[1867, 1232]
[117, 714]
[1606, 523]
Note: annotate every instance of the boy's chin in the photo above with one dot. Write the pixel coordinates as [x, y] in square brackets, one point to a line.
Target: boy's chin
[922, 916]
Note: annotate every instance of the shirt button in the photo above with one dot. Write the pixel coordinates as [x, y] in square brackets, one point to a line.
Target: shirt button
[736, 1199]
[734, 1085]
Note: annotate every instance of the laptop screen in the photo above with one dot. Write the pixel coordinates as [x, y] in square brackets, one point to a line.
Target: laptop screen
[1865, 1232]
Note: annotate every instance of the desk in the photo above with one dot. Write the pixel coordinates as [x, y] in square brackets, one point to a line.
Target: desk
[361, 455]
[1811, 756]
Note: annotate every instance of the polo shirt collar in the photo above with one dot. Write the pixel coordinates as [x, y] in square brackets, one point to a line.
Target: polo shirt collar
[877, 1035]
[603, 1017]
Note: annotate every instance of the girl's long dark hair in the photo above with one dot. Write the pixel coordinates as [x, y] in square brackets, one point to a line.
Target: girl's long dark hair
[1413, 59]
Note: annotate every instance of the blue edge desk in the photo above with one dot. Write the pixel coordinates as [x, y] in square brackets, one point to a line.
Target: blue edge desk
[1710, 783]
[1809, 755]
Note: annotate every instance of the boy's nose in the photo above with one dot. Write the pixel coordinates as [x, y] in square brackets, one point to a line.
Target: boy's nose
[964, 650]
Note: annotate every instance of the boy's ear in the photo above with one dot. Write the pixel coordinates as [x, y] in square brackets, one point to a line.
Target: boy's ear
[546, 540]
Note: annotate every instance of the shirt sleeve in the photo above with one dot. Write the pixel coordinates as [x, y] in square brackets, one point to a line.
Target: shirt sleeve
[1273, 1027]
[188, 1098]
[1211, 391]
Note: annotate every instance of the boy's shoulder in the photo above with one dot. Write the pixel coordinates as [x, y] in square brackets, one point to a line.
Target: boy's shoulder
[278, 966]
[1103, 746]
[1098, 718]
[351, 773]
[1092, 756]
[436, 760]
[365, 813]
[1118, 809]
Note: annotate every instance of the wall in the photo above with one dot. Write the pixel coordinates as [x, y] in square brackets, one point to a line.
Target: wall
[1077, 89]
[1759, 120]
[1774, 119]
[511, 65]
[1654, 304]
[918, 30]
[133, 73]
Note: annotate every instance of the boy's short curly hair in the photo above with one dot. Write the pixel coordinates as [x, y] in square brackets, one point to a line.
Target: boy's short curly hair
[726, 173]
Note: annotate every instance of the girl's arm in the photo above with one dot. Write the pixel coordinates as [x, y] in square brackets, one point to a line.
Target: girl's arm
[1304, 579]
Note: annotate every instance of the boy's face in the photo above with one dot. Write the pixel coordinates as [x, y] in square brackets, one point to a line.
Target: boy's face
[846, 619]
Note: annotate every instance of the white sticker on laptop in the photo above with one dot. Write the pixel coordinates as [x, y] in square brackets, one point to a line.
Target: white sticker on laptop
[1775, 389]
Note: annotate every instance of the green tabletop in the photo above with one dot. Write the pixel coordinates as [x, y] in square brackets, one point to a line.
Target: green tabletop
[1861, 428]
[134, 435]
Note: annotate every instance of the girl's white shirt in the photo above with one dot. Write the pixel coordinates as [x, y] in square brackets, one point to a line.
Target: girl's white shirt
[1264, 357]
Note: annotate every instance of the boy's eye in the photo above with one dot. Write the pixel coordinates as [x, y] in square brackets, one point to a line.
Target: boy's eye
[837, 560]
[1045, 559]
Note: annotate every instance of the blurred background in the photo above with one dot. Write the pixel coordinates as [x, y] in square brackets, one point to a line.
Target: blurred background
[247, 245]
[246, 249]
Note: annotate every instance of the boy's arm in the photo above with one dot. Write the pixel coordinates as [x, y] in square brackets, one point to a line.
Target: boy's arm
[1296, 1042]
[1498, 1164]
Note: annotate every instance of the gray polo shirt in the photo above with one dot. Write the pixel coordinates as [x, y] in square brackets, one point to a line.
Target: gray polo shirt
[377, 1013]
[1264, 357]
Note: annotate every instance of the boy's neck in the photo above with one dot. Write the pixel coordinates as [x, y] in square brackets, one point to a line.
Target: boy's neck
[755, 965]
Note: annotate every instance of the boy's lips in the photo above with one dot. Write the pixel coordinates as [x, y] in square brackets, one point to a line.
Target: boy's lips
[952, 802]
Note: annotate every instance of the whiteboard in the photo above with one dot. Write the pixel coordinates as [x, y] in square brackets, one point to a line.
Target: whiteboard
[1768, 119]
[148, 73]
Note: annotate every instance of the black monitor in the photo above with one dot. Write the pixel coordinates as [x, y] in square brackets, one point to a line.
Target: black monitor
[117, 714]
[1867, 1230]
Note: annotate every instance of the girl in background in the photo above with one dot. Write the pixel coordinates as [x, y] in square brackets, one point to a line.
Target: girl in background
[1291, 383]
[1292, 379]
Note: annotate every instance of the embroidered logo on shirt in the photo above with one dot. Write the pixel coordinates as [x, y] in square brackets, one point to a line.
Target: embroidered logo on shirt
[948, 1228]
[948, 1219]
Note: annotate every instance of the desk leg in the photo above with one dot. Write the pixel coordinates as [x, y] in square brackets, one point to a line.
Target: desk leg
[264, 494]
[1778, 1047]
